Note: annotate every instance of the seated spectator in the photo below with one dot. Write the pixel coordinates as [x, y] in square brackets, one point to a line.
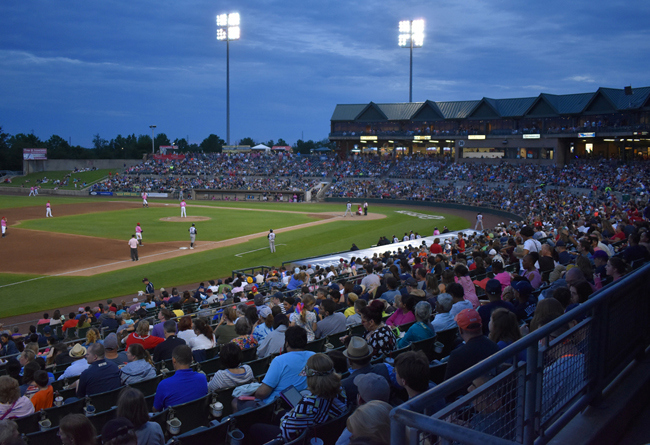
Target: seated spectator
[77, 429]
[142, 336]
[370, 423]
[184, 386]
[9, 433]
[634, 251]
[12, 404]
[304, 316]
[351, 299]
[92, 336]
[28, 388]
[204, 337]
[264, 328]
[412, 374]
[325, 402]
[165, 349]
[140, 366]
[131, 405]
[443, 319]
[285, 369]
[109, 322]
[501, 275]
[82, 322]
[43, 398]
[163, 316]
[244, 339]
[274, 342]
[504, 330]
[530, 272]
[359, 354]
[120, 431]
[332, 322]
[469, 290]
[404, 313]
[379, 336]
[615, 268]
[523, 299]
[355, 319]
[422, 329]
[458, 299]
[100, 376]
[477, 346]
[79, 364]
[392, 292]
[110, 351]
[580, 292]
[8, 345]
[493, 291]
[235, 373]
[184, 328]
[225, 331]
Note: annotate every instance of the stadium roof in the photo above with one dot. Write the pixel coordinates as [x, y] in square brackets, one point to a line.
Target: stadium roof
[602, 101]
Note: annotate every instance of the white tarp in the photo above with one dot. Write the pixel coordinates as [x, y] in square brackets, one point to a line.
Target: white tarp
[261, 147]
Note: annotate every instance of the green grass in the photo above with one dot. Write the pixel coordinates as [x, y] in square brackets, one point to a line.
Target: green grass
[32, 178]
[12, 202]
[54, 292]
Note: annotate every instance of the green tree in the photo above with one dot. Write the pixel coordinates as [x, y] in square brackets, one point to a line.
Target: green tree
[212, 144]
[57, 147]
[182, 144]
[270, 143]
[16, 144]
[247, 141]
[99, 143]
[303, 147]
[161, 139]
[282, 142]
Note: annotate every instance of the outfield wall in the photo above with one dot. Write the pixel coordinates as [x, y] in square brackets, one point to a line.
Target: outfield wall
[70, 164]
[440, 205]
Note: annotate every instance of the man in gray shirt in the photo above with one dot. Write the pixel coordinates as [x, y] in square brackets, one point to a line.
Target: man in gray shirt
[332, 322]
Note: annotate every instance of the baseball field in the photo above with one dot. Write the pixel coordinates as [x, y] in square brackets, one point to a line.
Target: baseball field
[81, 253]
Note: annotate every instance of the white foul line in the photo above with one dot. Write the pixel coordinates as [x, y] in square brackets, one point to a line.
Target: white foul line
[251, 251]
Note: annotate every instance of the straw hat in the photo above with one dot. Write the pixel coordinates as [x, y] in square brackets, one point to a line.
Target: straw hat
[77, 351]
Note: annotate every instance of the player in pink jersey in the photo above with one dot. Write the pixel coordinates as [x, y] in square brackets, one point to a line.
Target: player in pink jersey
[3, 224]
[183, 214]
[48, 210]
[138, 233]
[145, 203]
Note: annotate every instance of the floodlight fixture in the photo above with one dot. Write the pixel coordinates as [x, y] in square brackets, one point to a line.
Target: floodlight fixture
[228, 29]
[411, 36]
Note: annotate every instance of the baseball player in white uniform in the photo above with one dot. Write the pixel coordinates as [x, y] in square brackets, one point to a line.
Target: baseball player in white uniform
[348, 209]
[138, 233]
[3, 224]
[48, 210]
[192, 236]
[145, 203]
[271, 237]
[479, 220]
[183, 214]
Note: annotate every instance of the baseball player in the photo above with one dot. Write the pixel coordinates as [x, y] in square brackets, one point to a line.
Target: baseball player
[31, 191]
[133, 244]
[183, 214]
[138, 233]
[48, 210]
[479, 220]
[192, 236]
[365, 208]
[3, 224]
[271, 237]
[348, 209]
[145, 203]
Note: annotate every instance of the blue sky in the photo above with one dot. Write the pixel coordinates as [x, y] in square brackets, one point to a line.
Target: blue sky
[78, 68]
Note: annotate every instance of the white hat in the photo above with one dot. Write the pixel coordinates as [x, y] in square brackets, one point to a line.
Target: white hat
[492, 252]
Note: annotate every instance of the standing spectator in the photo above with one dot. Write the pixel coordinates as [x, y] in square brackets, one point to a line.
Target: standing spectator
[140, 366]
[184, 386]
[132, 406]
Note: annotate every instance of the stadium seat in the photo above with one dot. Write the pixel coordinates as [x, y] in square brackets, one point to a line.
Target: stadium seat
[406, 326]
[357, 330]
[214, 435]
[160, 418]
[330, 431]
[316, 345]
[448, 338]
[396, 352]
[212, 352]
[149, 400]
[225, 397]
[56, 413]
[437, 372]
[105, 400]
[147, 387]
[425, 346]
[28, 424]
[249, 354]
[211, 366]
[67, 393]
[260, 366]
[246, 418]
[199, 355]
[81, 333]
[47, 437]
[333, 339]
[192, 414]
[100, 418]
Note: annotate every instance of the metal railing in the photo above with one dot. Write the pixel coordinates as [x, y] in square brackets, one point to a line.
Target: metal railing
[530, 402]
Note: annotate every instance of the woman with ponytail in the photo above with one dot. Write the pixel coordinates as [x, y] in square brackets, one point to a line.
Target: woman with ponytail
[304, 317]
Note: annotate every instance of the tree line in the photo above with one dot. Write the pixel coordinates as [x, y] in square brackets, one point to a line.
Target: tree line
[123, 147]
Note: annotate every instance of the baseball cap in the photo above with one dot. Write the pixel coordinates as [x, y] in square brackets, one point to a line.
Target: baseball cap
[560, 243]
[110, 342]
[372, 386]
[523, 287]
[145, 279]
[492, 252]
[278, 295]
[352, 297]
[411, 282]
[601, 254]
[469, 320]
[264, 311]
[47, 330]
[493, 287]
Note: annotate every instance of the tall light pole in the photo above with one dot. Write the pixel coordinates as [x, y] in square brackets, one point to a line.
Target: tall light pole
[153, 147]
[411, 35]
[228, 29]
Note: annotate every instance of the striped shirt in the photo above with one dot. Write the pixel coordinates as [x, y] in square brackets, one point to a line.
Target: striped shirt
[226, 379]
[311, 411]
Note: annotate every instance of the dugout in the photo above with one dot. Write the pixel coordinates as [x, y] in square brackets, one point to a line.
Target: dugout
[251, 195]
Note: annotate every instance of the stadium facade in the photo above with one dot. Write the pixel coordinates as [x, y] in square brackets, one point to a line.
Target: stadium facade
[549, 128]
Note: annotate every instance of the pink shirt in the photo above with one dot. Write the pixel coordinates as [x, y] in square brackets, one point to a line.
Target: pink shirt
[133, 243]
[4, 223]
[138, 229]
[47, 205]
[183, 204]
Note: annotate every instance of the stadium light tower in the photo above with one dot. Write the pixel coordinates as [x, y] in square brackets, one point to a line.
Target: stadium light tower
[411, 35]
[228, 29]
[153, 147]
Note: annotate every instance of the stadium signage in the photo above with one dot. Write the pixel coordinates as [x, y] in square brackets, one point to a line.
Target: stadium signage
[158, 195]
[419, 215]
[34, 154]
[421, 138]
[531, 136]
[476, 136]
[587, 135]
[169, 157]
[368, 138]
[101, 193]
[125, 194]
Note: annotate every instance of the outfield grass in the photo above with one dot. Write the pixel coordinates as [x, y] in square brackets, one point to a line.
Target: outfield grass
[11, 201]
[32, 178]
[55, 292]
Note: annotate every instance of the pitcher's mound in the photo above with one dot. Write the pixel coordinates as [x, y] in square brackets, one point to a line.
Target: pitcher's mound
[187, 219]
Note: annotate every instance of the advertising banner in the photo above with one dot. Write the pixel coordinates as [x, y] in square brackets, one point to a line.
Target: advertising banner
[34, 154]
[126, 194]
[168, 157]
[158, 195]
[101, 193]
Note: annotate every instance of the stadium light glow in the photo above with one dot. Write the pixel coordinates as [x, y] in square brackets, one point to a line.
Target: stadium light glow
[228, 29]
[411, 36]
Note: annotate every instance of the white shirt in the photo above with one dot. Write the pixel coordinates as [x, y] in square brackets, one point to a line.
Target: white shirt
[186, 335]
[75, 369]
[201, 342]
